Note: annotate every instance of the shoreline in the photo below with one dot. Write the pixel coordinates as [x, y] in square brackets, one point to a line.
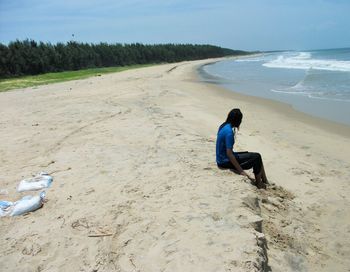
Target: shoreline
[280, 107]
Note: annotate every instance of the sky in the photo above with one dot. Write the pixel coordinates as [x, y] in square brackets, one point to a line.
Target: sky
[236, 24]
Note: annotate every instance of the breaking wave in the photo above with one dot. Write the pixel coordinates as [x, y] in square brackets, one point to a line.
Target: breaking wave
[305, 61]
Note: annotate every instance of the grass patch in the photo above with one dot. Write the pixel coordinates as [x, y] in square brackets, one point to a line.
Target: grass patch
[31, 81]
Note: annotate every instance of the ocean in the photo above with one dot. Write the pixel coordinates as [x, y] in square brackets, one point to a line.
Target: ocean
[316, 82]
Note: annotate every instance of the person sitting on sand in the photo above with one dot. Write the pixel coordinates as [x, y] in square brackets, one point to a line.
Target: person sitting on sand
[226, 158]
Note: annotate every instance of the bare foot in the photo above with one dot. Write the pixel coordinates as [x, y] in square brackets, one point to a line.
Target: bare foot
[260, 185]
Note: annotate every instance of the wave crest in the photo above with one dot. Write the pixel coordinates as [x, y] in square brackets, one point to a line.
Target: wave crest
[305, 62]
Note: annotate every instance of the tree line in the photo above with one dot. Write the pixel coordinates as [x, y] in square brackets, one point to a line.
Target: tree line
[29, 57]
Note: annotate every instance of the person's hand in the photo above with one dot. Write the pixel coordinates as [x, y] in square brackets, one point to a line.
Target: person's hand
[243, 173]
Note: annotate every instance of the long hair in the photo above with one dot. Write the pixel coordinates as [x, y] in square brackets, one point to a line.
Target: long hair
[234, 118]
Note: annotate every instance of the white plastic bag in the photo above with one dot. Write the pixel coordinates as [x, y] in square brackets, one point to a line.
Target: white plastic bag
[5, 207]
[40, 181]
[28, 204]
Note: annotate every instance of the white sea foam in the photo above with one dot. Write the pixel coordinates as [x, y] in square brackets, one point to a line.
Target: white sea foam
[250, 59]
[305, 62]
[312, 94]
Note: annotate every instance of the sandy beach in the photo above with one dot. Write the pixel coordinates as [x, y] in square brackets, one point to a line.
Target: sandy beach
[136, 187]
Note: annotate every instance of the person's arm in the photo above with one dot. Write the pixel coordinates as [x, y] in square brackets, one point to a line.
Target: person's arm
[235, 163]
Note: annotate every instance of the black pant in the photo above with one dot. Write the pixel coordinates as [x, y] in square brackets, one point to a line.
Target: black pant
[246, 160]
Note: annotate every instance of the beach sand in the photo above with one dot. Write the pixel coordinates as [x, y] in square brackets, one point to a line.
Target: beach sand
[136, 187]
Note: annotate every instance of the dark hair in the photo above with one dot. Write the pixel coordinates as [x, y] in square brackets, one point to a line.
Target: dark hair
[234, 118]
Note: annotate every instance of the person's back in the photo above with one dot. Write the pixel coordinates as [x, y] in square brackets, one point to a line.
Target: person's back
[225, 140]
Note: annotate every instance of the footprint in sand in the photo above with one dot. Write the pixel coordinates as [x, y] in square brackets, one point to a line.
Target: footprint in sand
[316, 179]
[32, 249]
[91, 190]
[80, 224]
[216, 216]
[256, 132]
[178, 115]
[299, 171]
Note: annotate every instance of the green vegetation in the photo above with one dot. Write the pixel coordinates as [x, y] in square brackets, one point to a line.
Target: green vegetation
[29, 57]
[30, 81]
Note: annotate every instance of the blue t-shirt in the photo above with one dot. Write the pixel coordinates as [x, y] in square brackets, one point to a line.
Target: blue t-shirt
[225, 140]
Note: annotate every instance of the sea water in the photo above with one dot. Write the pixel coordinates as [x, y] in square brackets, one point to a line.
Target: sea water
[316, 82]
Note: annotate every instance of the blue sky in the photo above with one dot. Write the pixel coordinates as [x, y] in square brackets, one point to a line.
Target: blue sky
[237, 24]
